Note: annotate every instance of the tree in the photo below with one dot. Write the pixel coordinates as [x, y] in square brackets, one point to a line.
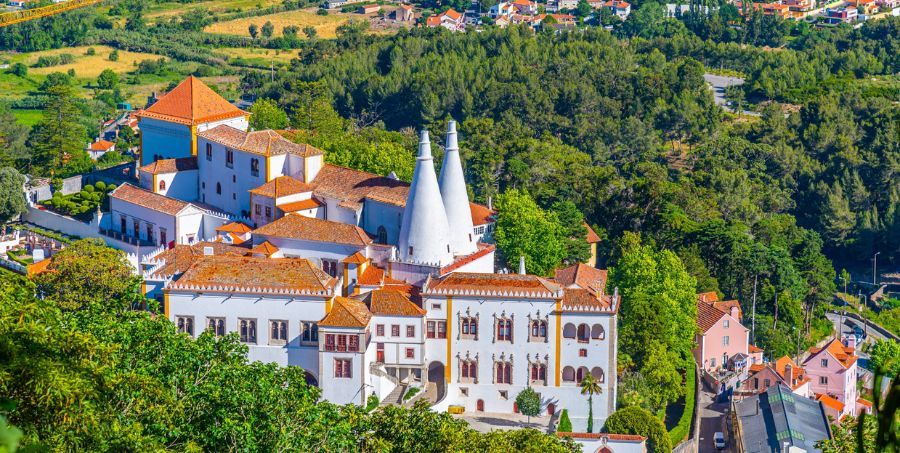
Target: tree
[268, 29]
[572, 220]
[524, 229]
[310, 32]
[884, 356]
[57, 142]
[13, 136]
[529, 403]
[565, 425]
[590, 386]
[18, 69]
[88, 273]
[634, 420]
[253, 30]
[108, 79]
[266, 114]
[114, 55]
[12, 197]
[583, 9]
[845, 436]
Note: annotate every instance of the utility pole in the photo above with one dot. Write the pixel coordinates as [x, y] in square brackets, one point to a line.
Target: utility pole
[865, 321]
[753, 312]
[843, 309]
[875, 270]
[775, 323]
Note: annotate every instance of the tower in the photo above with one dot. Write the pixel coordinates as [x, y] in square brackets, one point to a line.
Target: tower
[456, 200]
[424, 232]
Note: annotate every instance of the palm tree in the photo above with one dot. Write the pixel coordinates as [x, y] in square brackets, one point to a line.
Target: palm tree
[590, 386]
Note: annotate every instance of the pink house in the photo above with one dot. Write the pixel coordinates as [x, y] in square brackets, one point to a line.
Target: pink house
[832, 371]
[721, 337]
[782, 371]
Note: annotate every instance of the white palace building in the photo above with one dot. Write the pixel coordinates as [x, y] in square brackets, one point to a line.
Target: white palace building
[370, 284]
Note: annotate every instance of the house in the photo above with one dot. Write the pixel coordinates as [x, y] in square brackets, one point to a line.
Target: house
[774, 9]
[864, 7]
[721, 336]
[800, 6]
[619, 8]
[784, 371]
[502, 9]
[174, 178]
[846, 15]
[404, 13]
[525, 7]
[608, 442]
[100, 147]
[169, 127]
[147, 218]
[281, 196]
[779, 420]
[833, 371]
[450, 19]
[369, 9]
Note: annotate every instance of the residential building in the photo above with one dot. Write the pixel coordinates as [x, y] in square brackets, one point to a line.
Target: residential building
[608, 442]
[619, 8]
[722, 341]
[833, 371]
[784, 371]
[778, 420]
[100, 147]
[150, 219]
[835, 16]
[451, 20]
[173, 178]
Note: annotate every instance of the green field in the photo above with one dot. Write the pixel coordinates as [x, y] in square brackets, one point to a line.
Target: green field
[167, 9]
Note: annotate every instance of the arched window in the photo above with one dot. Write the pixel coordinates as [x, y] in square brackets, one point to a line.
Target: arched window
[468, 327]
[538, 373]
[569, 331]
[219, 188]
[162, 185]
[584, 333]
[381, 238]
[568, 374]
[597, 332]
[581, 373]
[598, 374]
[503, 372]
[468, 370]
[504, 329]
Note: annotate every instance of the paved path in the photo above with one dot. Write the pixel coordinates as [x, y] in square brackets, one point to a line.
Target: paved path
[844, 328]
[487, 421]
[718, 84]
[712, 419]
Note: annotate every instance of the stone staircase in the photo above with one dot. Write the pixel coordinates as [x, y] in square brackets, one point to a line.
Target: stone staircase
[395, 397]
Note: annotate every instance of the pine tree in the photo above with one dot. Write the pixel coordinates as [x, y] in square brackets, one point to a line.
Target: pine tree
[58, 140]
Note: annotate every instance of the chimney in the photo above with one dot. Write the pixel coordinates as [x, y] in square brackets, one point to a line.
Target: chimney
[455, 197]
[491, 203]
[521, 265]
[788, 375]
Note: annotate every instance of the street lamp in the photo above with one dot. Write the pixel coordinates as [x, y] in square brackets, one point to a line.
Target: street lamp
[875, 268]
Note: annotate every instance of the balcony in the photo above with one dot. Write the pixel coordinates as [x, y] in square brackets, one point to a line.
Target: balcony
[125, 238]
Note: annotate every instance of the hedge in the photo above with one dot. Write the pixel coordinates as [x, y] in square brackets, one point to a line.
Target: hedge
[682, 429]
[635, 420]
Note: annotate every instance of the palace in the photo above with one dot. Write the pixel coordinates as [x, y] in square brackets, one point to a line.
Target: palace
[372, 285]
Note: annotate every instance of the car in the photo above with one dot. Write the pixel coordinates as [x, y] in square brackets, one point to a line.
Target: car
[719, 440]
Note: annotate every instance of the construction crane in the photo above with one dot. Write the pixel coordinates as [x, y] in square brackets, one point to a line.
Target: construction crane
[25, 15]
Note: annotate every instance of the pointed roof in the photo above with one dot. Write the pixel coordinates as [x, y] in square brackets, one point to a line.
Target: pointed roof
[264, 143]
[347, 313]
[265, 248]
[316, 230]
[425, 231]
[845, 355]
[101, 145]
[282, 186]
[592, 236]
[481, 215]
[707, 316]
[452, 185]
[192, 103]
[234, 227]
[582, 276]
[390, 302]
[164, 166]
[356, 258]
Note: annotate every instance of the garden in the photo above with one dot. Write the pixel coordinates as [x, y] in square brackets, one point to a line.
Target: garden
[83, 204]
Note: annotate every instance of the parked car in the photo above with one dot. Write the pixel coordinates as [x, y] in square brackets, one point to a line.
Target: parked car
[719, 440]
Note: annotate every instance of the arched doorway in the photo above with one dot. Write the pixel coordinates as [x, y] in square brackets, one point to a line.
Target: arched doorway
[515, 407]
[436, 376]
[311, 379]
[551, 409]
[479, 405]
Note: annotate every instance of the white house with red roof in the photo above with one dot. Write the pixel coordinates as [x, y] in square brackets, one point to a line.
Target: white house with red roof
[451, 20]
[833, 372]
[100, 147]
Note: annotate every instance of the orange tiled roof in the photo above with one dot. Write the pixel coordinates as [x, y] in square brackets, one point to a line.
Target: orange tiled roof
[234, 227]
[372, 276]
[163, 166]
[797, 372]
[192, 103]
[356, 258]
[347, 313]
[583, 276]
[265, 248]
[578, 299]
[752, 348]
[354, 186]
[610, 436]
[756, 367]
[282, 186]
[263, 143]
[317, 230]
[707, 316]
[864, 402]
[592, 236]
[483, 249]
[726, 305]
[150, 200]
[38, 268]
[302, 205]
[179, 258]
[708, 297]
[462, 283]
[846, 356]
[830, 402]
[230, 274]
[388, 302]
[452, 14]
[101, 145]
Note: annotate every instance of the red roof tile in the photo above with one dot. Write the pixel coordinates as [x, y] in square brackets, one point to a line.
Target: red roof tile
[230, 274]
[481, 215]
[583, 276]
[462, 283]
[483, 249]
[708, 297]
[830, 402]
[592, 236]
[583, 300]
[354, 186]
[386, 302]
[164, 166]
[234, 227]
[191, 103]
[265, 248]
[846, 356]
[179, 258]
[372, 276]
[610, 436]
[316, 230]
[347, 313]
[101, 145]
[263, 143]
[356, 258]
[302, 205]
[282, 186]
[150, 200]
[707, 316]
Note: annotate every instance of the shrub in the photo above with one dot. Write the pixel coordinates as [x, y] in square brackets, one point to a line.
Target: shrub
[101, 186]
[681, 430]
[372, 402]
[634, 420]
[91, 51]
[322, 12]
[411, 392]
[88, 188]
[565, 425]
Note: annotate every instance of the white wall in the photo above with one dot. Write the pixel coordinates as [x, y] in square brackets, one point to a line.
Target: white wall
[181, 185]
[343, 390]
[235, 182]
[395, 347]
[389, 216]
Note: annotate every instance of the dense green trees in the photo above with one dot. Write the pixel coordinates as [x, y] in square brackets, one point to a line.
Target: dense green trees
[58, 141]
[634, 420]
[524, 229]
[12, 200]
[265, 114]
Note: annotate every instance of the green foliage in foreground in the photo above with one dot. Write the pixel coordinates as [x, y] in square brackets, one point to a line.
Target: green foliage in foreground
[634, 420]
[682, 429]
[97, 376]
[12, 202]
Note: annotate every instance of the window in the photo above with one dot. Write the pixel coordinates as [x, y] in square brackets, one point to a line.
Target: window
[233, 196]
[581, 373]
[824, 363]
[442, 329]
[539, 373]
[209, 152]
[150, 232]
[538, 330]
[203, 185]
[329, 266]
[725, 323]
[468, 370]
[137, 228]
[435, 306]
[162, 236]
[381, 237]
[218, 188]
[504, 329]
[410, 353]
[582, 352]
[254, 167]
[436, 329]
[410, 331]
[756, 383]
[258, 209]
[568, 374]
[468, 327]
[823, 380]
[185, 324]
[229, 158]
[503, 373]
[233, 178]
[277, 332]
[712, 362]
[569, 331]
[247, 330]
[341, 343]
[597, 332]
[395, 330]
[584, 333]
[343, 368]
[410, 250]
[379, 330]
[725, 340]
[767, 383]
[310, 332]
[162, 185]
[504, 395]
[216, 326]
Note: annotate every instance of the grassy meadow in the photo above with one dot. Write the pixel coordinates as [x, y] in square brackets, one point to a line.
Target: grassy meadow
[326, 26]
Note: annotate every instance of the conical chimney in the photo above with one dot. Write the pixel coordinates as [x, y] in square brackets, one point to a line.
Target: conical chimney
[456, 200]
[424, 232]
[521, 265]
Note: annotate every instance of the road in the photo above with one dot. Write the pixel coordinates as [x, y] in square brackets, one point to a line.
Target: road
[712, 420]
[846, 329]
[718, 84]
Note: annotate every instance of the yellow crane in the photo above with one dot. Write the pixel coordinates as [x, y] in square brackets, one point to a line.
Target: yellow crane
[25, 15]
